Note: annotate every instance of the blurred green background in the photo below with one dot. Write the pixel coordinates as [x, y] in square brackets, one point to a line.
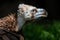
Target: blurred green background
[42, 30]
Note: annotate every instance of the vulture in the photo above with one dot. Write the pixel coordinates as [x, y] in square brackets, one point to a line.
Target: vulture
[10, 25]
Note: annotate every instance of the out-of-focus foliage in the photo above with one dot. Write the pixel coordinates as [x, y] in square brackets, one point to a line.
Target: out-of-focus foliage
[42, 30]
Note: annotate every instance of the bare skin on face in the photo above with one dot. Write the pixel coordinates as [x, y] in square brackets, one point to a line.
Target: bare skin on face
[32, 12]
[24, 8]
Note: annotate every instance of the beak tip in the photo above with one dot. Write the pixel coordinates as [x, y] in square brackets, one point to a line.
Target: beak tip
[45, 14]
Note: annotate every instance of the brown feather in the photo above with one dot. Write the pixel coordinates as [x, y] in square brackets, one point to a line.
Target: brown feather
[9, 23]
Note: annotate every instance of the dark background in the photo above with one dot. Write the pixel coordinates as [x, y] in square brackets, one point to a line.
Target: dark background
[52, 6]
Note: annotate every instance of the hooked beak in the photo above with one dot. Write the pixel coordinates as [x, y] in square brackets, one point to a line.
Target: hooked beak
[41, 13]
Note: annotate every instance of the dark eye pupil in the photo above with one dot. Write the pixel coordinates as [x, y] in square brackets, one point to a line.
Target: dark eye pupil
[34, 10]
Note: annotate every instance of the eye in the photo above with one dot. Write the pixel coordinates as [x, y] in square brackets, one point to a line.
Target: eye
[34, 10]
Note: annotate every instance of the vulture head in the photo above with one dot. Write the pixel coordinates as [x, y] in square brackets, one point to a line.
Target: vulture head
[31, 12]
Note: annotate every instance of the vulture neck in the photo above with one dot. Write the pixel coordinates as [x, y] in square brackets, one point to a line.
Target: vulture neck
[20, 21]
